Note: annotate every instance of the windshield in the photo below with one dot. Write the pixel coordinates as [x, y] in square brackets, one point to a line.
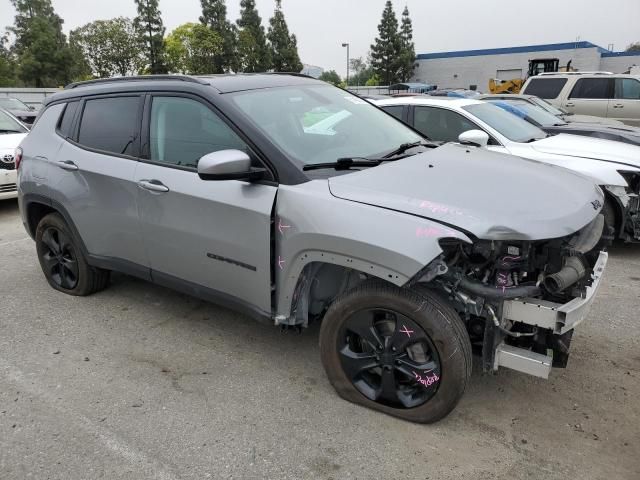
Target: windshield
[9, 125]
[542, 103]
[13, 104]
[321, 123]
[514, 128]
[537, 114]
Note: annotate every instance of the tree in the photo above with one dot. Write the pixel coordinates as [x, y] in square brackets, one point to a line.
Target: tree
[253, 52]
[214, 15]
[331, 76]
[358, 67]
[110, 47]
[40, 48]
[192, 48]
[407, 59]
[150, 29]
[7, 65]
[386, 50]
[374, 81]
[634, 47]
[283, 47]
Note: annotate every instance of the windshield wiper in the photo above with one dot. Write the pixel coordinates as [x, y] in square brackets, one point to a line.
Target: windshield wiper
[3, 130]
[346, 163]
[408, 146]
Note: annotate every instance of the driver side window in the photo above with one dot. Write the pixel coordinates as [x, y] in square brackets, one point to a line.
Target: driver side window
[440, 124]
[183, 130]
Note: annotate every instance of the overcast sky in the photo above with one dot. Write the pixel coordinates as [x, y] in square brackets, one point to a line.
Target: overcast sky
[323, 25]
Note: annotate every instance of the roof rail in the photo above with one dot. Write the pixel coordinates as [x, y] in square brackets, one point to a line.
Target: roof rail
[135, 78]
[574, 73]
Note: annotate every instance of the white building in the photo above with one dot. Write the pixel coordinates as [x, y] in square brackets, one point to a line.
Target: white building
[465, 68]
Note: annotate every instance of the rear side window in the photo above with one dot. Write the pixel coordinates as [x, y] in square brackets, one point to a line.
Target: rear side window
[65, 124]
[395, 110]
[440, 124]
[110, 124]
[545, 87]
[627, 89]
[593, 88]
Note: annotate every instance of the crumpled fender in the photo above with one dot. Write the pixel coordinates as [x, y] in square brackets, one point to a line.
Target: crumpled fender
[311, 225]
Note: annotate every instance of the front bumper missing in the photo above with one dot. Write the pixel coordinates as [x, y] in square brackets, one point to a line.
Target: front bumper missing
[558, 318]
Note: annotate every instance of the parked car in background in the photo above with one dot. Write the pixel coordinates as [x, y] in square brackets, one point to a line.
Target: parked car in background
[295, 201]
[552, 109]
[19, 109]
[603, 94]
[615, 166]
[12, 132]
[455, 92]
[552, 124]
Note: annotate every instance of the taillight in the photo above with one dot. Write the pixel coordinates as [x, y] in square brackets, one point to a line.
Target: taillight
[17, 157]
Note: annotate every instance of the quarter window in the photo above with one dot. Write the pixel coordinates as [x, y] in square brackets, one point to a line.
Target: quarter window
[65, 123]
[592, 88]
[545, 87]
[627, 89]
[110, 124]
[441, 124]
[184, 130]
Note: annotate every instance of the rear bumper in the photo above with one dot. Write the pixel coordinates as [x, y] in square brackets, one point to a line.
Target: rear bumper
[557, 318]
[8, 187]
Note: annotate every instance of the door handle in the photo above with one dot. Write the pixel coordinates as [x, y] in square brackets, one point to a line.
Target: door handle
[618, 105]
[67, 165]
[153, 186]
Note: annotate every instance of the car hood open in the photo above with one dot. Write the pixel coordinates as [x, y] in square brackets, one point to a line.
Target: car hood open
[490, 195]
[587, 147]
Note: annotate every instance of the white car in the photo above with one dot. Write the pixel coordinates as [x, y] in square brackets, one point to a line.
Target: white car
[12, 131]
[615, 166]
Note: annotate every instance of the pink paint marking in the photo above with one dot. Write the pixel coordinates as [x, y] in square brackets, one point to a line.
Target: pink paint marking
[439, 208]
[280, 262]
[407, 331]
[427, 381]
[281, 226]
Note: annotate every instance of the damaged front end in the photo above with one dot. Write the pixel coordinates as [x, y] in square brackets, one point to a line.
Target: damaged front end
[520, 300]
[627, 202]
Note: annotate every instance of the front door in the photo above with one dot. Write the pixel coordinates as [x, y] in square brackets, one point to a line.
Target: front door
[214, 234]
[625, 106]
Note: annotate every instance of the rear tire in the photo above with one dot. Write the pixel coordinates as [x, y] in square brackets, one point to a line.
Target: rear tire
[431, 363]
[62, 261]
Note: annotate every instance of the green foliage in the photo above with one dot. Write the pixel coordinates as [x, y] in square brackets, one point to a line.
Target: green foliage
[214, 15]
[253, 52]
[192, 48]
[150, 29]
[40, 49]
[331, 76]
[374, 81]
[360, 71]
[110, 47]
[283, 46]
[7, 66]
[634, 47]
[387, 49]
[407, 58]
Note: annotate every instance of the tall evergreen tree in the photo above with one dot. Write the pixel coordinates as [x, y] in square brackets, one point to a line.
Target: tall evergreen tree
[253, 52]
[386, 50]
[283, 47]
[149, 25]
[407, 58]
[7, 65]
[40, 48]
[214, 15]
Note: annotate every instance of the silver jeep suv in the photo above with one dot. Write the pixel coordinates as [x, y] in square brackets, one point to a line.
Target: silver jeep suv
[294, 201]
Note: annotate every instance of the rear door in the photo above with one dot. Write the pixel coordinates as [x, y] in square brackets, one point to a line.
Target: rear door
[590, 96]
[212, 234]
[625, 106]
[94, 177]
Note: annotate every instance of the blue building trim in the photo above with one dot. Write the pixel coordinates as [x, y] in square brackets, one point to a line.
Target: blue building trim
[621, 54]
[524, 49]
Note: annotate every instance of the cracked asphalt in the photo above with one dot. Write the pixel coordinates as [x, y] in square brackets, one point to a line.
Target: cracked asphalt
[139, 382]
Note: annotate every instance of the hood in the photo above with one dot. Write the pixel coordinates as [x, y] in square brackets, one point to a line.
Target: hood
[591, 119]
[490, 195]
[10, 141]
[587, 147]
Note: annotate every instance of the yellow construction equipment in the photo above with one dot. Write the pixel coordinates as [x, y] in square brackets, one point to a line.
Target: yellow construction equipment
[536, 67]
[505, 86]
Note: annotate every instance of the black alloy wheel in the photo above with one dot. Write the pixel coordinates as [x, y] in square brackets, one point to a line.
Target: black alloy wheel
[60, 258]
[389, 358]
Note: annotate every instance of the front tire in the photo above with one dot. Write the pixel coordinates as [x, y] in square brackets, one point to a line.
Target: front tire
[398, 351]
[63, 263]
